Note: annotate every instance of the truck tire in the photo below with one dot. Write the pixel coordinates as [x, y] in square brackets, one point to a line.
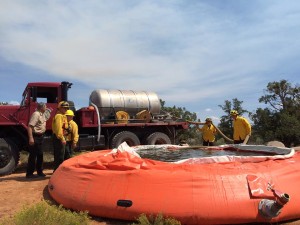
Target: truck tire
[9, 156]
[158, 138]
[130, 138]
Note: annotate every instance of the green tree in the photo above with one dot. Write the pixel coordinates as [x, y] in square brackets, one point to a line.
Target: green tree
[226, 124]
[182, 114]
[262, 119]
[282, 96]
[281, 119]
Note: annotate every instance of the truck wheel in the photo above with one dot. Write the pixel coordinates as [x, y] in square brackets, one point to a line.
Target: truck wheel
[9, 156]
[158, 138]
[130, 138]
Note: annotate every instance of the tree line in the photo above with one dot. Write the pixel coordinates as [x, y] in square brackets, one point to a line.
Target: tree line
[279, 120]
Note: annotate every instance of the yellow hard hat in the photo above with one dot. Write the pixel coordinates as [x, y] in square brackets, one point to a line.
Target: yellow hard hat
[63, 104]
[233, 112]
[208, 119]
[69, 113]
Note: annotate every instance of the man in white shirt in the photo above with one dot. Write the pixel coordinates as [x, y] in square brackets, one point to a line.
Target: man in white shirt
[36, 129]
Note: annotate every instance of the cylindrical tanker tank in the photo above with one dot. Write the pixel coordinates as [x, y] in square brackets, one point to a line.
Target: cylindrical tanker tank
[132, 102]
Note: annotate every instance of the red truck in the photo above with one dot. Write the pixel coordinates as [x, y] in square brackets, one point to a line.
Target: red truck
[112, 117]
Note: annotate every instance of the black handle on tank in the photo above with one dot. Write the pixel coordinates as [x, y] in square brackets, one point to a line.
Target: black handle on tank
[124, 203]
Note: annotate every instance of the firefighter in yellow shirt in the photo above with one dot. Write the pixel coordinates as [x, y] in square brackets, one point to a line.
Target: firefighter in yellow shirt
[59, 126]
[208, 132]
[241, 128]
[72, 134]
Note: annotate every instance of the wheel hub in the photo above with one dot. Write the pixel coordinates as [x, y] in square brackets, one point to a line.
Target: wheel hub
[5, 157]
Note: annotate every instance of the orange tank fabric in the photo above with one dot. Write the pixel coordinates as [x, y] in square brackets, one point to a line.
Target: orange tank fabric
[214, 193]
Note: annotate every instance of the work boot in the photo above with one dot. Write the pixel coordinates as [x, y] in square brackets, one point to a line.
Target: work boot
[41, 174]
[30, 176]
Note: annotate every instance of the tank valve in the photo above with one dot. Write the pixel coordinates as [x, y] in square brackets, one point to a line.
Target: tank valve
[272, 208]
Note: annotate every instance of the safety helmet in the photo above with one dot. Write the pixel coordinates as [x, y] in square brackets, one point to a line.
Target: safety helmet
[233, 112]
[69, 113]
[63, 104]
[208, 119]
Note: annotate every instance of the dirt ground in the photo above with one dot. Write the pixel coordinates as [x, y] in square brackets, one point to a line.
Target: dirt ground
[16, 191]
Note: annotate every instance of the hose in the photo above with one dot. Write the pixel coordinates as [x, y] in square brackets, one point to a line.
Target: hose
[196, 123]
[144, 115]
[122, 117]
[99, 123]
[223, 135]
[246, 139]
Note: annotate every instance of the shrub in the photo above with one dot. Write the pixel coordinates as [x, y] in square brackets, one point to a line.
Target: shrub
[43, 213]
[158, 220]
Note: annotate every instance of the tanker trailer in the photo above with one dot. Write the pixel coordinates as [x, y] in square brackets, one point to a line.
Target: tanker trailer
[131, 116]
[109, 102]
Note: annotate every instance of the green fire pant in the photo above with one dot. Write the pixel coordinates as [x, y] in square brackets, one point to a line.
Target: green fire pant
[68, 150]
[58, 151]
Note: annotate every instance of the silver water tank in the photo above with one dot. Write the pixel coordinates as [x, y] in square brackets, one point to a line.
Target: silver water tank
[132, 102]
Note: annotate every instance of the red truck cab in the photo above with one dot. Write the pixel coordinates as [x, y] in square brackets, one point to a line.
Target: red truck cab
[14, 119]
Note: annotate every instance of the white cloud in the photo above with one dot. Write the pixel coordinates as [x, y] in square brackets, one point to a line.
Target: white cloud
[200, 51]
[14, 103]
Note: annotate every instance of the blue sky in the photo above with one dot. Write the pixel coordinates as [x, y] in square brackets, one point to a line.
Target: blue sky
[193, 54]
